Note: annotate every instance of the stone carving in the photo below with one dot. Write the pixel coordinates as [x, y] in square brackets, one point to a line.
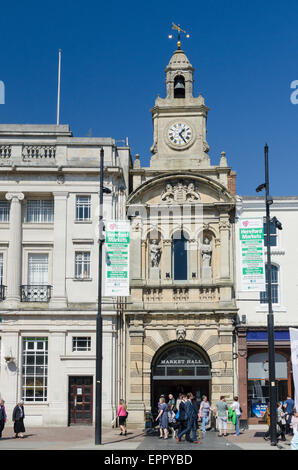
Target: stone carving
[206, 253]
[181, 192]
[155, 253]
[11, 196]
[180, 334]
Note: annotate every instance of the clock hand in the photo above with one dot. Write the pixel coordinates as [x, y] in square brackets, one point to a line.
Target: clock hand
[180, 134]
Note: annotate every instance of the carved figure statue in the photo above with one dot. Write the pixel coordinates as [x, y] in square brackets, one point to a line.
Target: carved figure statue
[191, 194]
[206, 253]
[168, 195]
[155, 253]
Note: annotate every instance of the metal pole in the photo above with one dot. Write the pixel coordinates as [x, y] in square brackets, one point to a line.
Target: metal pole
[98, 409]
[58, 96]
[270, 317]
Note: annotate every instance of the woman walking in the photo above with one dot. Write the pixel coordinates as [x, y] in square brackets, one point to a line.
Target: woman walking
[281, 421]
[3, 417]
[204, 412]
[122, 415]
[18, 416]
[163, 418]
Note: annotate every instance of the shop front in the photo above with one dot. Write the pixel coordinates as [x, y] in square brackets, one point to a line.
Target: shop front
[254, 371]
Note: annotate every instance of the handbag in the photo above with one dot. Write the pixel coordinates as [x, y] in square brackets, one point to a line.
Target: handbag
[177, 415]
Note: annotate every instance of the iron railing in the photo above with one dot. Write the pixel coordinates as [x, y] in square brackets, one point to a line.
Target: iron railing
[35, 293]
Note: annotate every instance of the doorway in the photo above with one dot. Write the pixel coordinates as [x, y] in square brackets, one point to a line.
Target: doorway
[180, 368]
[80, 400]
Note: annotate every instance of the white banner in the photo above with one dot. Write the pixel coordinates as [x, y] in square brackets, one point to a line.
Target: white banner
[117, 258]
[252, 265]
[294, 359]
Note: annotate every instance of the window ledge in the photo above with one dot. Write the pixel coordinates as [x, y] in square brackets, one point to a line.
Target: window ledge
[82, 280]
[83, 221]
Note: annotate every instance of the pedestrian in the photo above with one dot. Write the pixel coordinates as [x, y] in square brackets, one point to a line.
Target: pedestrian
[191, 421]
[267, 418]
[237, 410]
[172, 424]
[204, 413]
[221, 409]
[3, 417]
[182, 414]
[18, 416]
[162, 417]
[281, 421]
[288, 407]
[178, 401]
[294, 426]
[122, 415]
[172, 402]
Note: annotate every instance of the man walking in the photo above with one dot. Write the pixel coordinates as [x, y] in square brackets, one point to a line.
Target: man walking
[288, 407]
[191, 421]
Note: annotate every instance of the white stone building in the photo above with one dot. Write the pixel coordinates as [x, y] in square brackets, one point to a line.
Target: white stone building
[49, 207]
[253, 308]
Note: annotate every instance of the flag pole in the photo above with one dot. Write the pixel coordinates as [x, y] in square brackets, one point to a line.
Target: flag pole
[58, 97]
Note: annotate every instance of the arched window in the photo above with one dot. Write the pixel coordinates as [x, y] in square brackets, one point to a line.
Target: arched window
[179, 87]
[180, 258]
[274, 286]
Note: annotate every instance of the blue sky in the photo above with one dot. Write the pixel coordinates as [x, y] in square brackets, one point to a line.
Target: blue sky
[245, 55]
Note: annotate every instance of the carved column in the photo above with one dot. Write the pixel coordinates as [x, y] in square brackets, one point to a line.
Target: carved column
[136, 252]
[14, 264]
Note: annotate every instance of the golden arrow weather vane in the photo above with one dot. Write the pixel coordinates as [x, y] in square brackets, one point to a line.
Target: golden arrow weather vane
[179, 30]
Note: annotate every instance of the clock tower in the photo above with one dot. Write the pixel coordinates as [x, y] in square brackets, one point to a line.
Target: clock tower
[179, 121]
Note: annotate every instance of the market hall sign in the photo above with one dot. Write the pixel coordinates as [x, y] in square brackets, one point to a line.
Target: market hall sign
[180, 362]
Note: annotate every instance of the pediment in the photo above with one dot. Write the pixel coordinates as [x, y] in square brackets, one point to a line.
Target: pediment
[180, 188]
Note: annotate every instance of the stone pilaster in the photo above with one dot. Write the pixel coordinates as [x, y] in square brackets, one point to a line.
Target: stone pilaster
[242, 373]
[224, 228]
[14, 264]
[59, 299]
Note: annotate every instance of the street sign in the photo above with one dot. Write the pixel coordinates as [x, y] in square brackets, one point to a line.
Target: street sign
[117, 258]
[251, 234]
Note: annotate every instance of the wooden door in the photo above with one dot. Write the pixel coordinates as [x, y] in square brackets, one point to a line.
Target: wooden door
[80, 400]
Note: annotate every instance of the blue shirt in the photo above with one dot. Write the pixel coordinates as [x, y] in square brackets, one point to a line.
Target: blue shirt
[290, 405]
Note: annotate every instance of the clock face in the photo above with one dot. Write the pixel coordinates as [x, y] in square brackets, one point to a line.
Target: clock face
[180, 134]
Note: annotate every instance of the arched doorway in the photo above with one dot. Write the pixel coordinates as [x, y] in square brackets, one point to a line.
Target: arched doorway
[180, 368]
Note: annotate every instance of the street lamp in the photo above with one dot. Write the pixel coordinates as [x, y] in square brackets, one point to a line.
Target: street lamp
[98, 393]
[270, 317]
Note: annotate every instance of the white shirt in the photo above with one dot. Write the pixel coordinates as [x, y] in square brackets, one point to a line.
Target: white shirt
[236, 407]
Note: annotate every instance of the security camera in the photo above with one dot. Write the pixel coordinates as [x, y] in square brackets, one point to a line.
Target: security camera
[276, 223]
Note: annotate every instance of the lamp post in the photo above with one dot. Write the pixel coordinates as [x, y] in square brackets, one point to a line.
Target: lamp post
[98, 393]
[270, 316]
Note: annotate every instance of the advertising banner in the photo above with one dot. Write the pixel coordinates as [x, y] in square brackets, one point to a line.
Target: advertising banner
[251, 235]
[294, 359]
[117, 258]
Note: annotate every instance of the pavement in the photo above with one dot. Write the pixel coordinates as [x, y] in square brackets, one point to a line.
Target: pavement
[82, 438]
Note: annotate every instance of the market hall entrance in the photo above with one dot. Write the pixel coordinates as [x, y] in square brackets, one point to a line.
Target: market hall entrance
[180, 368]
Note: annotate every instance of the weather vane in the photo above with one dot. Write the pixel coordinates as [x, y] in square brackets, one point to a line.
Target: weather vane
[180, 30]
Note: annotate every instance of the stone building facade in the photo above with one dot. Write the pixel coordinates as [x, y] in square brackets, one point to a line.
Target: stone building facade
[253, 367]
[180, 318]
[49, 207]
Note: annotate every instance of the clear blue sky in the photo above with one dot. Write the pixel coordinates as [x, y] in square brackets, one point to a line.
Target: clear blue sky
[245, 54]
